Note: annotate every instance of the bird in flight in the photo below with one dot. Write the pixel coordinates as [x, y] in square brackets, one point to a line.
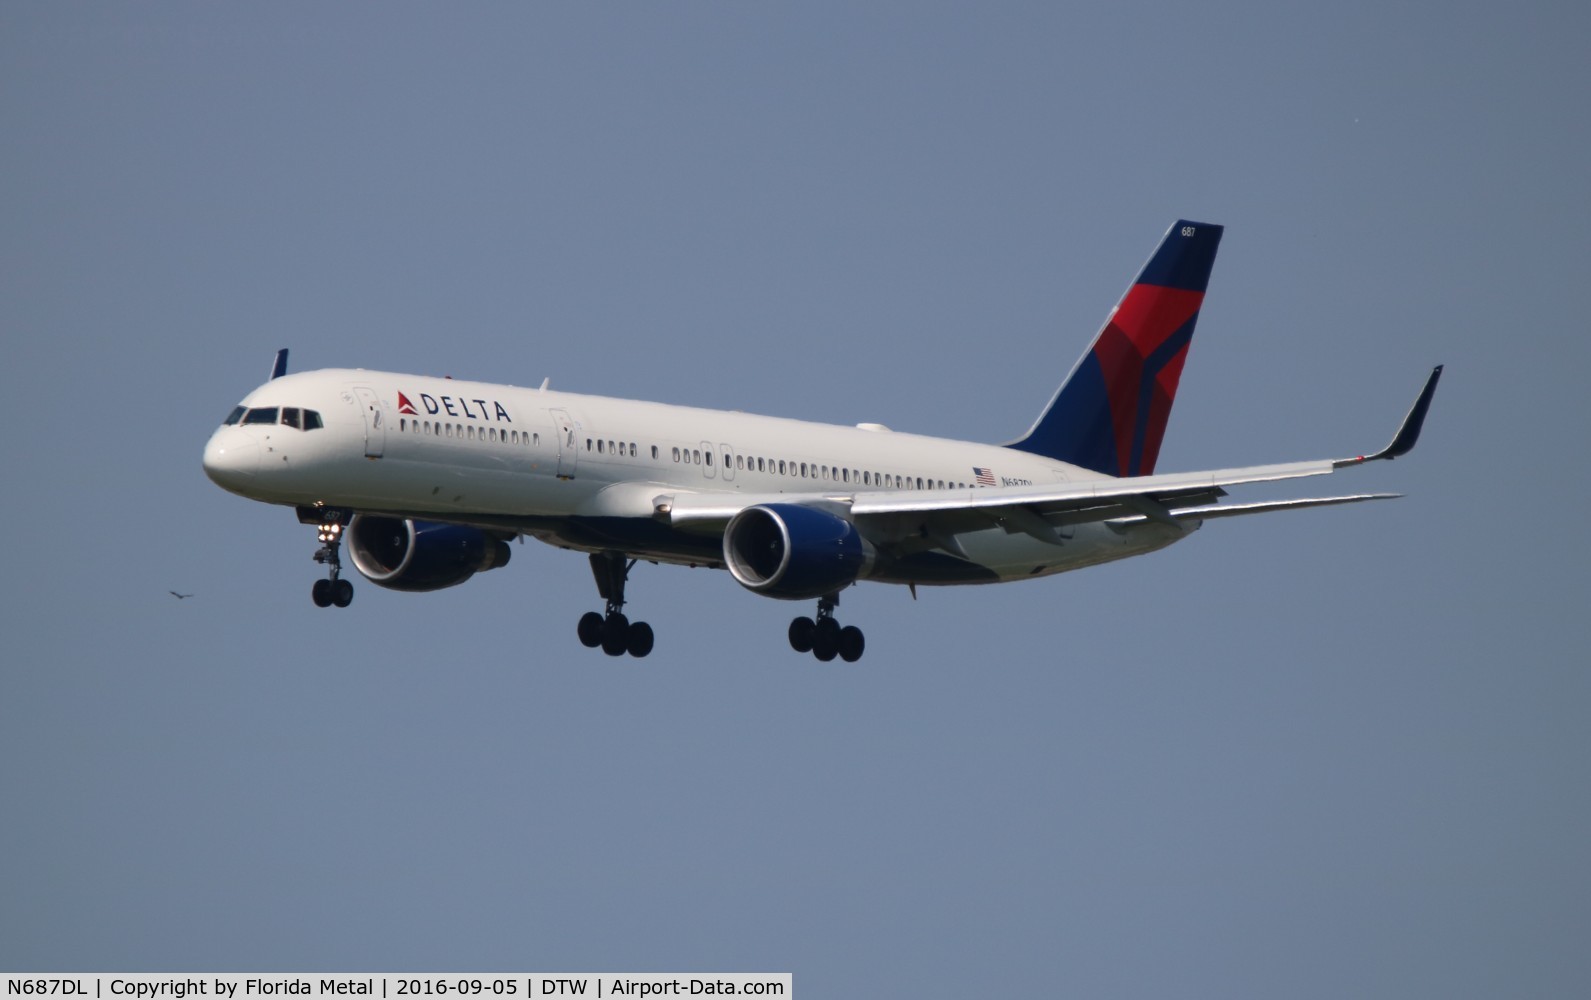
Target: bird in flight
[180, 597]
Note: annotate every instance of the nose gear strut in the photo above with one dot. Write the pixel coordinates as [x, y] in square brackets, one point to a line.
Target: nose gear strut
[328, 521]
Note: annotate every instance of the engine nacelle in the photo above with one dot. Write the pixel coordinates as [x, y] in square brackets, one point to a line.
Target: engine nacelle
[421, 555]
[794, 552]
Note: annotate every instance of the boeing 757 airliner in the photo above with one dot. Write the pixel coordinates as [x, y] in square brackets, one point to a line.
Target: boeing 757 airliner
[428, 479]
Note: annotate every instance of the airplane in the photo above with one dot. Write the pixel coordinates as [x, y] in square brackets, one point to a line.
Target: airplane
[428, 479]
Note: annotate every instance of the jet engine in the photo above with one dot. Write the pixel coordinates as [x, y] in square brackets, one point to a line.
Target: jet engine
[794, 552]
[421, 555]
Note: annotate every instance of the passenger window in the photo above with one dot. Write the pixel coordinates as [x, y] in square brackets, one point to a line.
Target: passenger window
[654, 453]
[234, 416]
[676, 454]
[263, 415]
[632, 449]
[709, 458]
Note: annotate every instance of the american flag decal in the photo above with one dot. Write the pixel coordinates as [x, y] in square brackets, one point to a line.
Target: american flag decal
[985, 476]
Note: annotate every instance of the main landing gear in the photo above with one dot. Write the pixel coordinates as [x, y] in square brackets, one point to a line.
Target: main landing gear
[824, 638]
[333, 589]
[611, 630]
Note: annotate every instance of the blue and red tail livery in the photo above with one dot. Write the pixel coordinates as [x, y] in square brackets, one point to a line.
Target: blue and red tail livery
[1110, 415]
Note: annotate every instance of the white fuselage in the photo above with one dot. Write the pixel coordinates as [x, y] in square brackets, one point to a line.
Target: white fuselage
[590, 472]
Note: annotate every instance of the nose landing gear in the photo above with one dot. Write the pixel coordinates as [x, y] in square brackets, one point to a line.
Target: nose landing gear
[333, 590]
[825, 638]
[610, 629]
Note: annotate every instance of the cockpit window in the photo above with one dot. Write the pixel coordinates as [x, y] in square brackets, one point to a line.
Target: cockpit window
[290, 416]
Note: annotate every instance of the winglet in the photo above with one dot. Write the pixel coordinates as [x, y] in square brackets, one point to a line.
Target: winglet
[1408, 432]
[280, 367]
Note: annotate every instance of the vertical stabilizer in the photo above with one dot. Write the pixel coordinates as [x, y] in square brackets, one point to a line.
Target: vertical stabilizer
[1110, 414]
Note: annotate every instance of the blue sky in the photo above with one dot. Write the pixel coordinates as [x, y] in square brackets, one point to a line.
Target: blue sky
[1337, 752]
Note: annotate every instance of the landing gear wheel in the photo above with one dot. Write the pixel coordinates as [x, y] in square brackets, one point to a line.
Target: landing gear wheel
[616, 634]
[590, 630]
[801, 634]
[826, 639]
[342, 593]
[640, 642]
[851, 644]
[321, 593]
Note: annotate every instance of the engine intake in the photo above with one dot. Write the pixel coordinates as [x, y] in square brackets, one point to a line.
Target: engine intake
[421, 555]
[794, 552]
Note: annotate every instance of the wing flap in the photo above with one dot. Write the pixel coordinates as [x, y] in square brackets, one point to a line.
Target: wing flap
[1214, 511]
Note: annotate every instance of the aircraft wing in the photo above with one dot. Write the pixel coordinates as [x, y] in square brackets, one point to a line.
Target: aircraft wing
[1039, 510]
[1034, 509]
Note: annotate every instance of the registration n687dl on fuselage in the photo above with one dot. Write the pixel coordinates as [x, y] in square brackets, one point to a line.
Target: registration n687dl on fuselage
[428, 479]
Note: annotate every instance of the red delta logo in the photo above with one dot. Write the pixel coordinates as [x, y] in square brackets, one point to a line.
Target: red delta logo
[404, 406]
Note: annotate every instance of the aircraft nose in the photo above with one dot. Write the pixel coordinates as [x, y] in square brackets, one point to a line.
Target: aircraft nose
[231, 458]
